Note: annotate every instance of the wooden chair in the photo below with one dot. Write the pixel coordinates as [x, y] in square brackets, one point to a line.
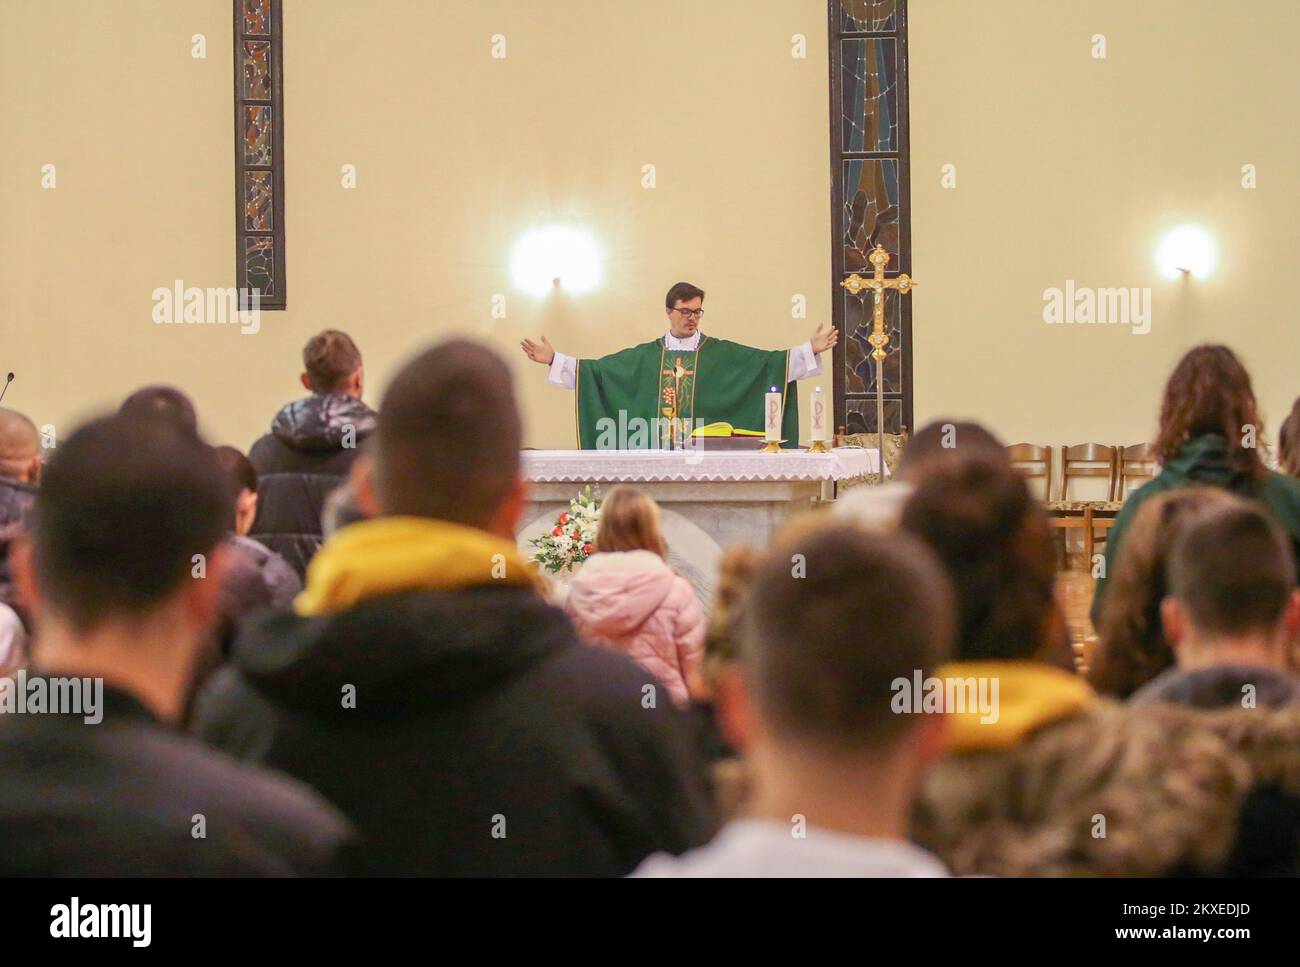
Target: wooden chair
[1093, 460]
[1136, 462]
[1034, 462]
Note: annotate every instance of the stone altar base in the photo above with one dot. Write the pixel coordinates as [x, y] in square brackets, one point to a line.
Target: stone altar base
[708, 500]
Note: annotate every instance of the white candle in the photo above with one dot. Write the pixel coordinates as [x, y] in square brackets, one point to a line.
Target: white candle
[819, 431]
[772, 428]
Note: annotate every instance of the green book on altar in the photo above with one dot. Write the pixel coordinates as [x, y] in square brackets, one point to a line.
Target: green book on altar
[624, 399]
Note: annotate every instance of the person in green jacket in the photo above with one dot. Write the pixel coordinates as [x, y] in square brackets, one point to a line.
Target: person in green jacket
[1210, 433]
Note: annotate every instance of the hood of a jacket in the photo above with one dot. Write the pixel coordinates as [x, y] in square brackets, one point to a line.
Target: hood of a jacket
[321, 421]
[1022, 697]
[389, 555]
[403, 654]
[1206, 459]
[616, 591]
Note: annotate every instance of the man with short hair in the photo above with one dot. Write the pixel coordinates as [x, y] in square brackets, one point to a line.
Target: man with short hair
[1231, 615]
[124, 568]
[684, 376]
[310, 449]
[430, 692]
[836, 760]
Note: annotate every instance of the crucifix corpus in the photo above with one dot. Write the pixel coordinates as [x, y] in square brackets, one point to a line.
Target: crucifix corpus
[855, 283]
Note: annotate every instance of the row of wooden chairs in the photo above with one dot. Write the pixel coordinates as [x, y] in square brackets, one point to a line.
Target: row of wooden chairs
[1122, 466]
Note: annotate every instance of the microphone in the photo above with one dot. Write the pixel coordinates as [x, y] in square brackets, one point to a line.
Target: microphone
[8, 379]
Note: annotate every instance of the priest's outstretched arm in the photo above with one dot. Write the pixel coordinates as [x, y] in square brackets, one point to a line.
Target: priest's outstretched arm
[805, 359]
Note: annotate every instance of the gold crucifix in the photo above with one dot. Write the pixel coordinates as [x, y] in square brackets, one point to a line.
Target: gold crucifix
[855, 283]
[678, 373]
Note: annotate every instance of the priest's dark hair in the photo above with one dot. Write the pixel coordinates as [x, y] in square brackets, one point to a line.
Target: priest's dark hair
[1234, 571]
[684, 292]
[125, 505]
[163, 403]
[330, 357]
[449, 434]
[990, 533]
[834, 616]
[941, 441]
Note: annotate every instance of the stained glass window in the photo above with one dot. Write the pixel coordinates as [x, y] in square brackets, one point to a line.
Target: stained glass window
[870, 204]
[259, 152]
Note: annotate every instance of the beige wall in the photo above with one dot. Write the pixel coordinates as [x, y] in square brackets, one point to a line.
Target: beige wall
[1067, 168]
[1071, 168]
[456, 154]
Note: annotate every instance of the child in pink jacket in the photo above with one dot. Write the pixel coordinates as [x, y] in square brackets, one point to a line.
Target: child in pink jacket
[626, 597]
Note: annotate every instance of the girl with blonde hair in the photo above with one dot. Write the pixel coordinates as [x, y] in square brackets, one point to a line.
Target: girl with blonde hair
[626, 597]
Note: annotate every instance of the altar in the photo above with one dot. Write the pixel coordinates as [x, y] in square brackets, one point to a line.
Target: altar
[709, 498]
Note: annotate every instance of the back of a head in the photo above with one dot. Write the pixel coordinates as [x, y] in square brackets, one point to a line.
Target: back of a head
[1233, 571]
[1209, 391]
[630, 521]
[942, 442]
[1288, 441]
[19, 442]
[165, 404]
[329, 358]
[449, 434]
[240, 474]
[985, 526]
[1131, 647]
[125, 505]
[833, 617]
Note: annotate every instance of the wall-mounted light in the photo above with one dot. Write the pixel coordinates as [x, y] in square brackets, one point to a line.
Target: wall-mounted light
[1186, 250]
[556, 256]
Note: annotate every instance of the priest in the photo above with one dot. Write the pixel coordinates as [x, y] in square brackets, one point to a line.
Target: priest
[683, 381]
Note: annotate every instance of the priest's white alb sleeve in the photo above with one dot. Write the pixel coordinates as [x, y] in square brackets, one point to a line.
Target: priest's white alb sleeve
[564, 371]
[803, 362]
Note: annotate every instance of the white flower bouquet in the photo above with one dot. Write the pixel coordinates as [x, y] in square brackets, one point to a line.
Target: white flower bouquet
[570, 542]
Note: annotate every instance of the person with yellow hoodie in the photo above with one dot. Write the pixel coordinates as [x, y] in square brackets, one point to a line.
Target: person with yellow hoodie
[427, 689]
[1042, 777]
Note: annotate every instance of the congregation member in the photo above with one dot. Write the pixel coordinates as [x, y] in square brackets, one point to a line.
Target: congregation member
[627, 597]
[1131, 648]
[1288, 442]
[936, 444]
[1211, 432]
[1020, 720]
[20, 474]
[310, 448]
[259, 576]
[834, 762]
[427, 689]
[164, 403]
[1231, 615]
[106, 784]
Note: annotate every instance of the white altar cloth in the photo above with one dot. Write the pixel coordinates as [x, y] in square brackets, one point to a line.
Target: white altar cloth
[643, 466]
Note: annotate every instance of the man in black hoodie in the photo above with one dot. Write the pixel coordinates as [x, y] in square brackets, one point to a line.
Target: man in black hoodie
[311, 446]
[427, 689]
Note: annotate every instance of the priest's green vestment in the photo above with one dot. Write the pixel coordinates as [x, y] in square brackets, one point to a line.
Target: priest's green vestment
[720, 381]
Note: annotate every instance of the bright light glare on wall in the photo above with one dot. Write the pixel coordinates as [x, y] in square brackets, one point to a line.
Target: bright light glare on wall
[1187, 249]
[556, 254]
